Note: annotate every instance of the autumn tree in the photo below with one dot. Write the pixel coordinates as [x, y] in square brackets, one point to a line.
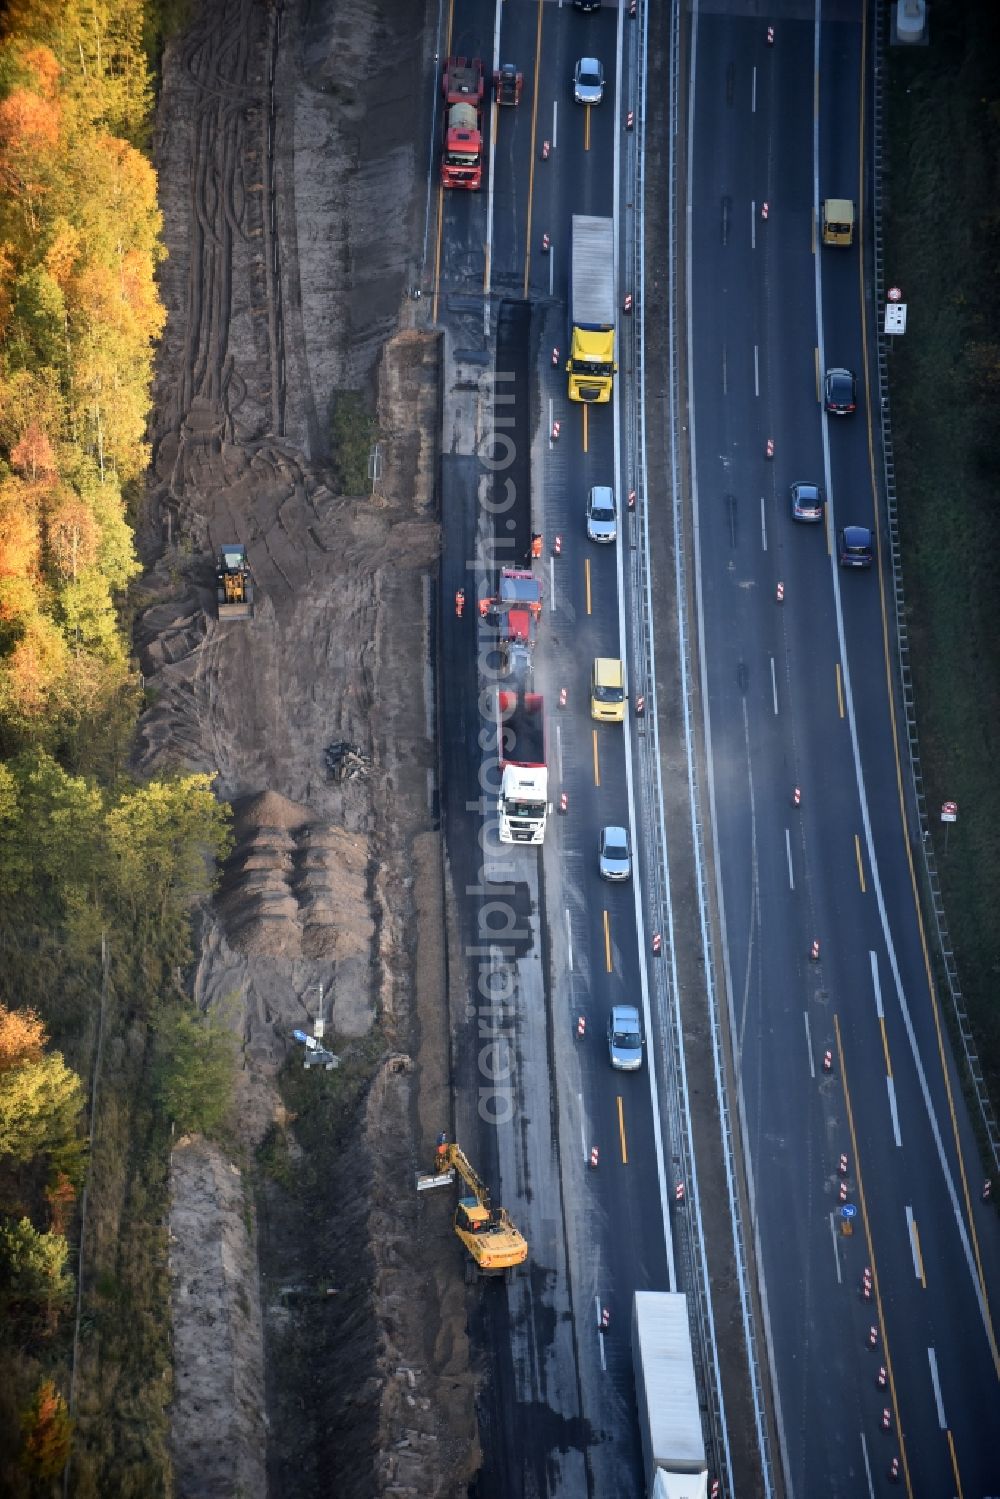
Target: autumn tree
[29, 137]
[47, 1431]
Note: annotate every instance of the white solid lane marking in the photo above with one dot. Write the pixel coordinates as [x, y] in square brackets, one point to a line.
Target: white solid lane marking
[552, 271]
[583, 1137]
[894, 1112]
[753, 92]
[809, 1045]
[569, 941]
[868, 1466]
[836, 1249]
[788, 855]
[756, 371]
[559, 749]
[555, 122]
[873, 959]
[932, 1360]
[552, 585]
[753, 225]
[911, 1234]
[763, 524]
[552, 417]
[774, 687]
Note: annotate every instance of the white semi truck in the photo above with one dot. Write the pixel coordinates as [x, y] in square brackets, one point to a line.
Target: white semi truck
[673, 1446]
[524, 785]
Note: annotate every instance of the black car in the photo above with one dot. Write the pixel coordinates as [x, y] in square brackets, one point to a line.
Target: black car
[855, 547]
[586, 4]
[841, 392]
[807, 501]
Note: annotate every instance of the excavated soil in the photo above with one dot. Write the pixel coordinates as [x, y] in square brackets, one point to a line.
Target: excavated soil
[290, 207]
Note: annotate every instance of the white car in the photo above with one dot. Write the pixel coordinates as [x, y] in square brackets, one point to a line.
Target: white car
[588, 81]
[601, 513]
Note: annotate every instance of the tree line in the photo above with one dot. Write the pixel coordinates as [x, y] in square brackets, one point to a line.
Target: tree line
[98, 874]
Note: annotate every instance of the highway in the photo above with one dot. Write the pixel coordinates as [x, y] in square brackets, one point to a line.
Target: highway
[798, 696]
[557, 1415]
[846, 1091]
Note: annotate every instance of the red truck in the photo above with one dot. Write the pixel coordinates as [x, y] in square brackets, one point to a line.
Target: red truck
[462, 84]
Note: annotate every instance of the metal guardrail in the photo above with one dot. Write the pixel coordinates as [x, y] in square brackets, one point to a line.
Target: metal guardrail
[691, 1244]
[932, 881]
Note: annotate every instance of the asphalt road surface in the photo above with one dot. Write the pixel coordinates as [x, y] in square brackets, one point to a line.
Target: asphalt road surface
[786, 686]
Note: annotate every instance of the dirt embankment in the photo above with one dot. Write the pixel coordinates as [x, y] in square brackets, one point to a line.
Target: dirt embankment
[288, 177]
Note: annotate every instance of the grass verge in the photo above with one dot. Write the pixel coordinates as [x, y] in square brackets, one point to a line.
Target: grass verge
[942, 248]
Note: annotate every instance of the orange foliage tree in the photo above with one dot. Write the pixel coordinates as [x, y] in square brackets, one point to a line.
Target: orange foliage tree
[22, 1037]
[47, 1429]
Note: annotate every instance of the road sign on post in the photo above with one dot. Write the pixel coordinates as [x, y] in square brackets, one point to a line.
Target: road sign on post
[895, 294]
[848, 1212]
[949, 811]
[895, 319]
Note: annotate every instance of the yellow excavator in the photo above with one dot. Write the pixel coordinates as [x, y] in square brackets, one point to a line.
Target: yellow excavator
[495, 1246]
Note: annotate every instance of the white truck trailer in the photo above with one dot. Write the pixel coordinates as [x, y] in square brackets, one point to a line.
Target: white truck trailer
[673, 1447]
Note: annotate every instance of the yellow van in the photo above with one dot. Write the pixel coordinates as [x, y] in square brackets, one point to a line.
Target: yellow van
[607, 690]
[838, 221]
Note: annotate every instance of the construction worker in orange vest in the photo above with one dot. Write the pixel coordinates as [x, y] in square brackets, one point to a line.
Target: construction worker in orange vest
[485, 605]
[536, 544]
[459, 602]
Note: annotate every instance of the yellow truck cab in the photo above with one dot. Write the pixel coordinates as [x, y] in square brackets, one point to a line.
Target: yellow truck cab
[838, 221]
[607, 690]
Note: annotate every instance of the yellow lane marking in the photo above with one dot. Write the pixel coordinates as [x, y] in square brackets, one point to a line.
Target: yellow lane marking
[885, 1047]
[954, 1464]
[486, 269]
[840, 692]
[597, 763]
[586, 127]
[861, 867]
[531, 169]
[915, 1234]
[586, 427]
[607, 941]
[621, 1133]
[866, 1225]
[586, 568]
[819, 383]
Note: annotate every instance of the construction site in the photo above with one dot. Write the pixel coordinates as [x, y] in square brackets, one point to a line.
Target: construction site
[319, 1317]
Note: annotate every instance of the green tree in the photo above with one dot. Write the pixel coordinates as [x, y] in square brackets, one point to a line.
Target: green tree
[61, 821]
[40, 1106]
[196, 1072]
[33, 1267]
[163, 839]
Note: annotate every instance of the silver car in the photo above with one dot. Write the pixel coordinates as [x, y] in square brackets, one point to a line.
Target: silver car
[613, 857]
[588, 81]
[807, 501]
[601, 513]
[625, 1041]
